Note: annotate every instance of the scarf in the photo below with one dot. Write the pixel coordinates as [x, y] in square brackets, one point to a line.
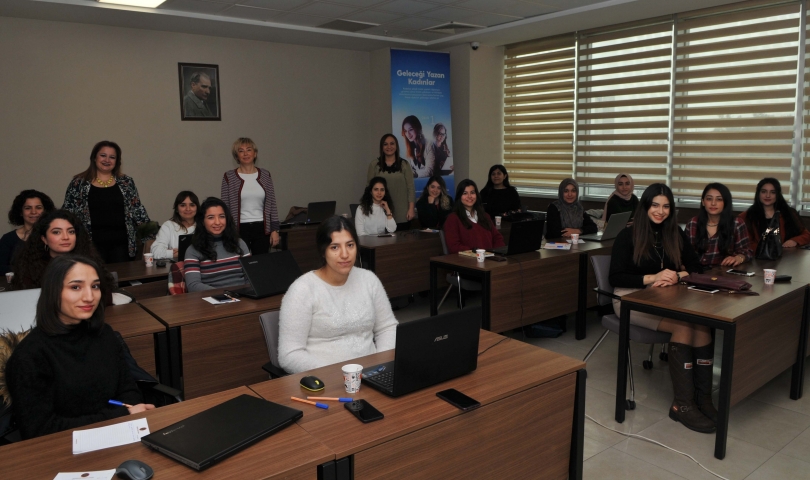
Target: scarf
[626, 198]
[570, 213]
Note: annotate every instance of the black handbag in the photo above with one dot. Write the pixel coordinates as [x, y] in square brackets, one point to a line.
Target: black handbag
[770, 245]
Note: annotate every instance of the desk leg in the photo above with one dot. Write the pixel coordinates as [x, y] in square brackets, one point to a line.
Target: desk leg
[621, 370]
[486, 319]
[176, 359]
[582, 296]
[724, 404]
[578, 433]
[797, 375]
[434, 300]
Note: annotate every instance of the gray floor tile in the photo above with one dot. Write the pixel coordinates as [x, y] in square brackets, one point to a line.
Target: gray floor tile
[615, 465]
[600, 406]
[593, 447]
[782, 466]
[799, 447]
[766, 425]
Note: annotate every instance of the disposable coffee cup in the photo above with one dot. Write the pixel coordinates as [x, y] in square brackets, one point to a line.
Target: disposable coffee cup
[148, 259]
[770, 275]
[574, 238]
[9, 276]
[479, 254]
[352, 374]
[498, 221]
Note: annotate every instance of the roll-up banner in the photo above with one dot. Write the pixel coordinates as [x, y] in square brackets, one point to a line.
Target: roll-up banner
[420, 108]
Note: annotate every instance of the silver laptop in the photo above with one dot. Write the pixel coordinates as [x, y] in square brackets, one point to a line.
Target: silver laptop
[18, 309]
[615, 225]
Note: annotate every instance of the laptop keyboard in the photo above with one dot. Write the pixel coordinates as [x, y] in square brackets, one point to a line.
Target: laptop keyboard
[385, 379]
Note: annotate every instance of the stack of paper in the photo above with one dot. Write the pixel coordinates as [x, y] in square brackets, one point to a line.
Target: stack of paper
[112, 436]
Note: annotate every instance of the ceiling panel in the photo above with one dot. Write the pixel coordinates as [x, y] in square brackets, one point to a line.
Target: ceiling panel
[373, 16]
[409, 7]
[489, 19]
[360, 3]
[302, 20]
[195, 6]
[252, 13]
[324, 9]
[508, 7]
[448, 13]
[284, 5]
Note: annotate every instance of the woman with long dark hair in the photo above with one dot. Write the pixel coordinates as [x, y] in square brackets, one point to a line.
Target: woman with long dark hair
[415, 145]
[182, 222]
[566, 215]
[650, 254]
[435, 204]
[498, 197]
[767, 201]
[212, 260]
[469, 227]
[62, 375]
[27, 207]
[399, 177]
[375, 215]
[717, 235]
[437, 153]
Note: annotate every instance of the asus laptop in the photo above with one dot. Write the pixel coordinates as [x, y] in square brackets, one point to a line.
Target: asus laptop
[268, 274]
[524, 237]
[184, 241]
[429, 351]
[615, 225]
[204, 439]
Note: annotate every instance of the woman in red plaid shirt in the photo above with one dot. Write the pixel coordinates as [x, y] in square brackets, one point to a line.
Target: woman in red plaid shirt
[718, 236]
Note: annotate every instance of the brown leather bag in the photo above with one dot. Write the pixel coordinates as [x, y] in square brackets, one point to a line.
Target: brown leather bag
[724, 284]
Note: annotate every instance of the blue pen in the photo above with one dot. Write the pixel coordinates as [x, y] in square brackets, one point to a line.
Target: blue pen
[333, 399]
[118, 404]
[317, 404]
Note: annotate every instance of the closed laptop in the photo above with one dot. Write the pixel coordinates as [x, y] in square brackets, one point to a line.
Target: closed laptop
[268, 274]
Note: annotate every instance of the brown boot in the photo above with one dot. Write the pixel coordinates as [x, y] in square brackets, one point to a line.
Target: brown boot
[702, 372]
[683, 408]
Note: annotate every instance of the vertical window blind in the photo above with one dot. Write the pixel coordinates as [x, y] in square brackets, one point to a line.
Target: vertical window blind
[805, 166]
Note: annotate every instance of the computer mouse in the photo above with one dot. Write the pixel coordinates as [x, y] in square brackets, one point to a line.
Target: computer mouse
[313, 384]
[134, 470]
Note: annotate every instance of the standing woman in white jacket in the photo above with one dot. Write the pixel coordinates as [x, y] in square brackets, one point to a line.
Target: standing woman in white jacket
[182, 223]
[375, 215]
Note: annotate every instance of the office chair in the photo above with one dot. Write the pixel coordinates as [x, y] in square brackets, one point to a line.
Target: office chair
[269, 322]
[605, 296]
[455, 280]
[353, 209]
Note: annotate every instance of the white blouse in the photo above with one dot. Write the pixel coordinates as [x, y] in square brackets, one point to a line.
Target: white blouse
[375, 223]
[168, 238]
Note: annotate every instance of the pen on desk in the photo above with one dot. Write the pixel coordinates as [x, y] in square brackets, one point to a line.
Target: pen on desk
[334, 399]
[118, 404]
[317, 404]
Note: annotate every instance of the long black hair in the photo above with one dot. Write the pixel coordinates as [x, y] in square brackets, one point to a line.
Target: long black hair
[323, 236]
[397, 166]
[49, 304]
[15, 214]
[490, 186]
[177, 201]
[755, 215]
[367, 199]
[203, 241]
[725, 226]
[461, 211]
[644, 236]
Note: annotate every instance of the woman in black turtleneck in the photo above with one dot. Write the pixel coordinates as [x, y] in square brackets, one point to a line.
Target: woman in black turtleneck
[63, 374]
[655, 252]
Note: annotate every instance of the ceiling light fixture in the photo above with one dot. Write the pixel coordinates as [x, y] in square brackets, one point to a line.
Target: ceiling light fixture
[135, 3]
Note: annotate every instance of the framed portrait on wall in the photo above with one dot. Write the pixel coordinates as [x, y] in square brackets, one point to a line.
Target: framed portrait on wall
[199, 91]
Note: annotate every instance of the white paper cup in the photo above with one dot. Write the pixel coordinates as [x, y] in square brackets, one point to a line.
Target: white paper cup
[9, 276]
[770, 275]
[148, 259]
[352, 374]
[479, 254]
[574, 238]
[497, 220]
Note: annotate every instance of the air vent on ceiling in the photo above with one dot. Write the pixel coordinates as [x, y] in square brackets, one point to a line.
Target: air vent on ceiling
[347, 25]
[452, 28]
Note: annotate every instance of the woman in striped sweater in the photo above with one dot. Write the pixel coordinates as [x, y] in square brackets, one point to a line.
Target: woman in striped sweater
[212, 260]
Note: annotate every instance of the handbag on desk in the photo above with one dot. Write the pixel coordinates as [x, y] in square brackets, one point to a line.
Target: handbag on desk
[770, 245]
[724, 284]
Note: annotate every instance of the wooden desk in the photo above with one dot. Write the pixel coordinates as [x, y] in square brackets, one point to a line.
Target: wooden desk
[140, 330]
[289, 454]
[213, 347]
[300, 240]
[532, 407]
[153, 280]
[762, 335]
[401, 262]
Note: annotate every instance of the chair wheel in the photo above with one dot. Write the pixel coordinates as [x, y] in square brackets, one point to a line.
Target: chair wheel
[631, 405]
[647, 364]
[664, 356]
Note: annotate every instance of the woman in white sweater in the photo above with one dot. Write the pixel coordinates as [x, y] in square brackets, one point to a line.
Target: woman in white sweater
[182, 223]
[375, 215]
[336, 313]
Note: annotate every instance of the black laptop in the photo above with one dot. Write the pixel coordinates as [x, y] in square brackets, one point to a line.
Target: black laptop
[524, 237]
[268, 274]
[204, 439]
[184, 241]
[617, 223]
[317, 212]
[429, 351]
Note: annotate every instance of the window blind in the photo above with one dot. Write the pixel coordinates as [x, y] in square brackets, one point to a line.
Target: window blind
[805, 167]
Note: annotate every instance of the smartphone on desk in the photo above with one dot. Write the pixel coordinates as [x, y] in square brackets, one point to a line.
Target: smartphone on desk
[458, 399]
[364, 411]
[703, 289]
[740, 272]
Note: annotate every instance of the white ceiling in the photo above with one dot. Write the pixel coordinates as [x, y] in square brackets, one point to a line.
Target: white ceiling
[391, 23]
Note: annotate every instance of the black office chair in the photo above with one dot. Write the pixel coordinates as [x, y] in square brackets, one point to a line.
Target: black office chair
[455, 280]
[353, 209]
[269, 322]
[605, 296]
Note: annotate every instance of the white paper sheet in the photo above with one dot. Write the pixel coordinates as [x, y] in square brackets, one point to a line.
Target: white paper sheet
[103, 475]
[112, 436]
[214, 301]
[557, 246]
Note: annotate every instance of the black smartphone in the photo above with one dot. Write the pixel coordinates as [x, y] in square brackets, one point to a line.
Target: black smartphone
[498, 258]
[740, 272]
[782, 278]
[363, 410]
[385, 235]
[221, 298]
[458, 399]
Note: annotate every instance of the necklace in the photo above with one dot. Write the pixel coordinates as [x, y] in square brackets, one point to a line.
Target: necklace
[106, 183]
[655, 247]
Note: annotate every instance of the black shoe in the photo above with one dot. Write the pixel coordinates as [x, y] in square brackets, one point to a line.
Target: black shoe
[683, 408]
[702, 373]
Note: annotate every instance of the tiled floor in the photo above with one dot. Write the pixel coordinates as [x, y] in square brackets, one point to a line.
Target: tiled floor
[769, 435]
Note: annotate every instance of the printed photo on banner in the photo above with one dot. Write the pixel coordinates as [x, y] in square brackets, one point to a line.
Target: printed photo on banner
[420, 106]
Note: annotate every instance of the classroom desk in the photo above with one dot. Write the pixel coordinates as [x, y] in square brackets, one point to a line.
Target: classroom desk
[532, 408]
[529, 287]
[291, 453]
[154, 279]
[401, 262]
[213, 347]
[141, 332]
[300, 240]
[762, 335]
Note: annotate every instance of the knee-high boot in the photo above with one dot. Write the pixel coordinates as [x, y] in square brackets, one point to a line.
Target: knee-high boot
[683, 407]
[702, 372]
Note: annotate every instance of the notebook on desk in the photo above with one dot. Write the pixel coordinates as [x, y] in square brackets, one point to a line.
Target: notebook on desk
[204, 439]
[525, 236]
[617, 223]
[268, 274]
[429, 351]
